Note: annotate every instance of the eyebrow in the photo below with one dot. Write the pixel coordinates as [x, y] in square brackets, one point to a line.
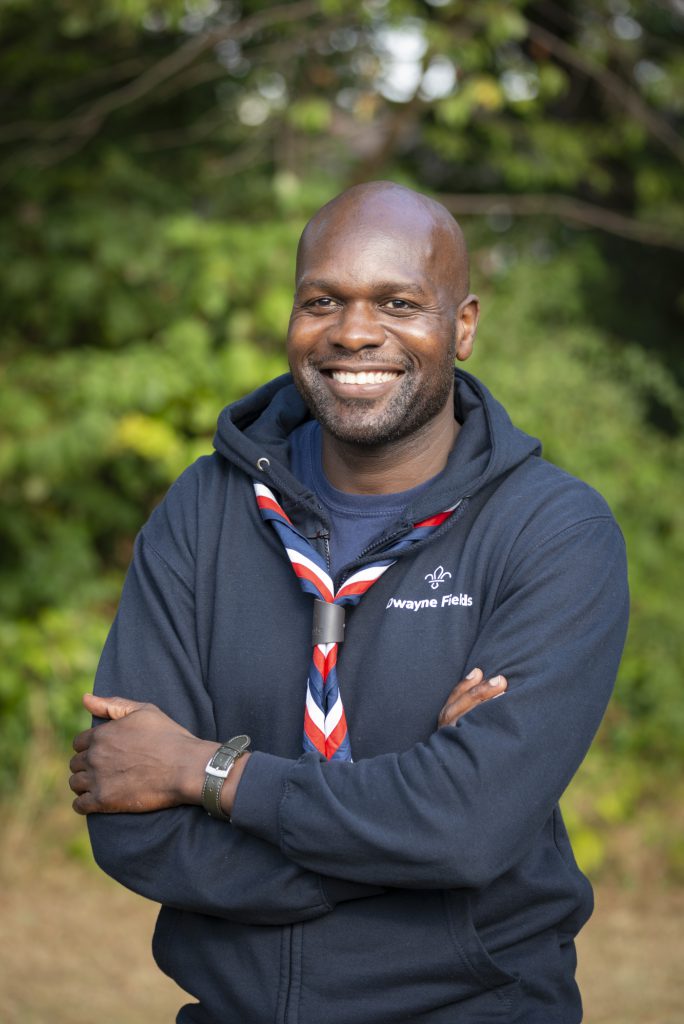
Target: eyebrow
[381, 287]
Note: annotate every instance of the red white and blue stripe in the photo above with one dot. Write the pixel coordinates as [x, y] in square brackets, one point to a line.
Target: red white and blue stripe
[325, 725]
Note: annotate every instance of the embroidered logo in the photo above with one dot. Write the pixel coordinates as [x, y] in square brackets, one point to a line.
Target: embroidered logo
[437, 577]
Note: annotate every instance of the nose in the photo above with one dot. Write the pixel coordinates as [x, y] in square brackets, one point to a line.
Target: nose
[357, 327]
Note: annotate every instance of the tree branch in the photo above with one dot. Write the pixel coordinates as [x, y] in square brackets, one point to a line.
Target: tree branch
[280, 53]
[86, 122]
[564, 208]
[614, 85]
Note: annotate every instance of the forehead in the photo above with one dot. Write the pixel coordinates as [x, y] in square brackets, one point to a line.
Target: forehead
[364, 249]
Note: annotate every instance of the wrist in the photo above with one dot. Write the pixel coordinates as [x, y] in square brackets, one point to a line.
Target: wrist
[190, 768]
[230, 786]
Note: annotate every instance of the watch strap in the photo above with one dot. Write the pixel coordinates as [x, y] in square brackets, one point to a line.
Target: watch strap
[217, 771]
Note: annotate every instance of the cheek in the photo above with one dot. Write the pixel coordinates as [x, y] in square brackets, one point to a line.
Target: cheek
[293, 353]
[428, 338]
[430, 351]
[302, 336]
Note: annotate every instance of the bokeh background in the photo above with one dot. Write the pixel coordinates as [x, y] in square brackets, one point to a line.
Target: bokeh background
[157, 163]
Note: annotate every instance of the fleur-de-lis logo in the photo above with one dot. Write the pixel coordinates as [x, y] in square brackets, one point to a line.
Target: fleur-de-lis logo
[437, 577]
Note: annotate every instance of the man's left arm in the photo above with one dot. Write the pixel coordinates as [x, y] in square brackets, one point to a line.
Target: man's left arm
[462, 808]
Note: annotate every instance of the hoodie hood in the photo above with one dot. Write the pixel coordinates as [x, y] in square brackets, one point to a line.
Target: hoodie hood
[253, 434]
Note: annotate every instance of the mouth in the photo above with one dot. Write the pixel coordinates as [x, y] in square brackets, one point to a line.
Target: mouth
[360, 377]
[361, 383]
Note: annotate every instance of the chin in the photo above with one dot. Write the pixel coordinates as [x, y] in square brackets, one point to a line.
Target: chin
[371, 430]
[366, 424]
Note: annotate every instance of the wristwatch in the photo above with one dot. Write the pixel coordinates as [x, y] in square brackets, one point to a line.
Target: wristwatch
[217, 771]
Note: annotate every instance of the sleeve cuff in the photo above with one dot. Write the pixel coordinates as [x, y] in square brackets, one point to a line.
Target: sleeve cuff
[257, 800]
[257, 809]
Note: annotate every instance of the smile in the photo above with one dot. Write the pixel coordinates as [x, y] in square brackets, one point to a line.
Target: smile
[364, 376]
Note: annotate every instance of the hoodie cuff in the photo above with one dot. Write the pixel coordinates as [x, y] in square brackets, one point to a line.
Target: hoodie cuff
[257, 800]
[257, 808]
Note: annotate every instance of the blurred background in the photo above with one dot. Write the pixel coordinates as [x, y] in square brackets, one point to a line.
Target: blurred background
[157, 163]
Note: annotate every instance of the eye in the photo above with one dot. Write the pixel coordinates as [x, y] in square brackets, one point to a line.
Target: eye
[322, 302]
[398, 304]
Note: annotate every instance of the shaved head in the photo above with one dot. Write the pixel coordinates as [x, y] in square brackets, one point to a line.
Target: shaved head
[387, 207]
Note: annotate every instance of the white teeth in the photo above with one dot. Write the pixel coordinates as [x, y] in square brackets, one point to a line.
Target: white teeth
[364, 376]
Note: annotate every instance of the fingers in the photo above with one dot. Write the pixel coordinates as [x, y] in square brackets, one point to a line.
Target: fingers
[84, 804]
[83, 779]
[110, 707]
[468, 693]
[79, 762]
[83, 784]
[82, 741]
[474, 677]
[79, 782]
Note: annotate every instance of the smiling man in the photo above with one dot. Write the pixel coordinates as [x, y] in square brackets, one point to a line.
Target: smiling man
[336, 828]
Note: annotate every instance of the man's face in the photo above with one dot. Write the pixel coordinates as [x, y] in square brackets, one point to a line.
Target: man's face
[373, 330]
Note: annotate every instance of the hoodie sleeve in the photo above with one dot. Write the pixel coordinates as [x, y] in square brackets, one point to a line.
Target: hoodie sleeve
[463, 808]
[181, 857]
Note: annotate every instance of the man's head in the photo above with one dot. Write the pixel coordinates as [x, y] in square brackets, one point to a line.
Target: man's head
[381, 310]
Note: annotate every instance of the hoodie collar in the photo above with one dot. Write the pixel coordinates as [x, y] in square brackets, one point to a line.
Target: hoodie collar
[253, 434]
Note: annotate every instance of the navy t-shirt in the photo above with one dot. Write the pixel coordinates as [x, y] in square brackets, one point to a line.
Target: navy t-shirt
[356, 520]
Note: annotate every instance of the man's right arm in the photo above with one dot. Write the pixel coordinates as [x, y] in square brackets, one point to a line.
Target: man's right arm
[180, 856]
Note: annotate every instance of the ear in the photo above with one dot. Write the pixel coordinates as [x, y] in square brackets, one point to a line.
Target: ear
[467, 316]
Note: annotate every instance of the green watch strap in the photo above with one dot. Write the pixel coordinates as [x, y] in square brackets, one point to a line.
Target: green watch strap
[217, 772]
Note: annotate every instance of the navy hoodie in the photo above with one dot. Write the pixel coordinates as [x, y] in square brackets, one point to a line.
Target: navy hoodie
[432, 880]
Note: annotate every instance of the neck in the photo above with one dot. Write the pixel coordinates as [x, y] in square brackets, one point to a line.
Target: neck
[395, 466]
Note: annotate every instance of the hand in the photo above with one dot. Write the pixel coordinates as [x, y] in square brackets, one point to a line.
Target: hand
[468, 693]
[140, 760]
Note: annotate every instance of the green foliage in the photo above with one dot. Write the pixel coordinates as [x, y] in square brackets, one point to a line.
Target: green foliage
[588, 397]
[48, 664]
[310, 115]
[625, 819]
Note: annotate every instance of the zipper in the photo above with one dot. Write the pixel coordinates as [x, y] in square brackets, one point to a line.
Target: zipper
[290, 984]
[291, 1014]
[285, 974]
[325, 537]
[383, 542]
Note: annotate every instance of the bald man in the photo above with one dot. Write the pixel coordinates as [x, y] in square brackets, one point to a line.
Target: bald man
[341, 822]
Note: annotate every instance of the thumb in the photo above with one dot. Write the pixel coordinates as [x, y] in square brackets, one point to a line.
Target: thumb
[110, 707]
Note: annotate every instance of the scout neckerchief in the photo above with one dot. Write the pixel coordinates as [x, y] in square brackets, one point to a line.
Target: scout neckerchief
[325, 725]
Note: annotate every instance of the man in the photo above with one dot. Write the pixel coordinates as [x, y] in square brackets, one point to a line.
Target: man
[412, 864]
